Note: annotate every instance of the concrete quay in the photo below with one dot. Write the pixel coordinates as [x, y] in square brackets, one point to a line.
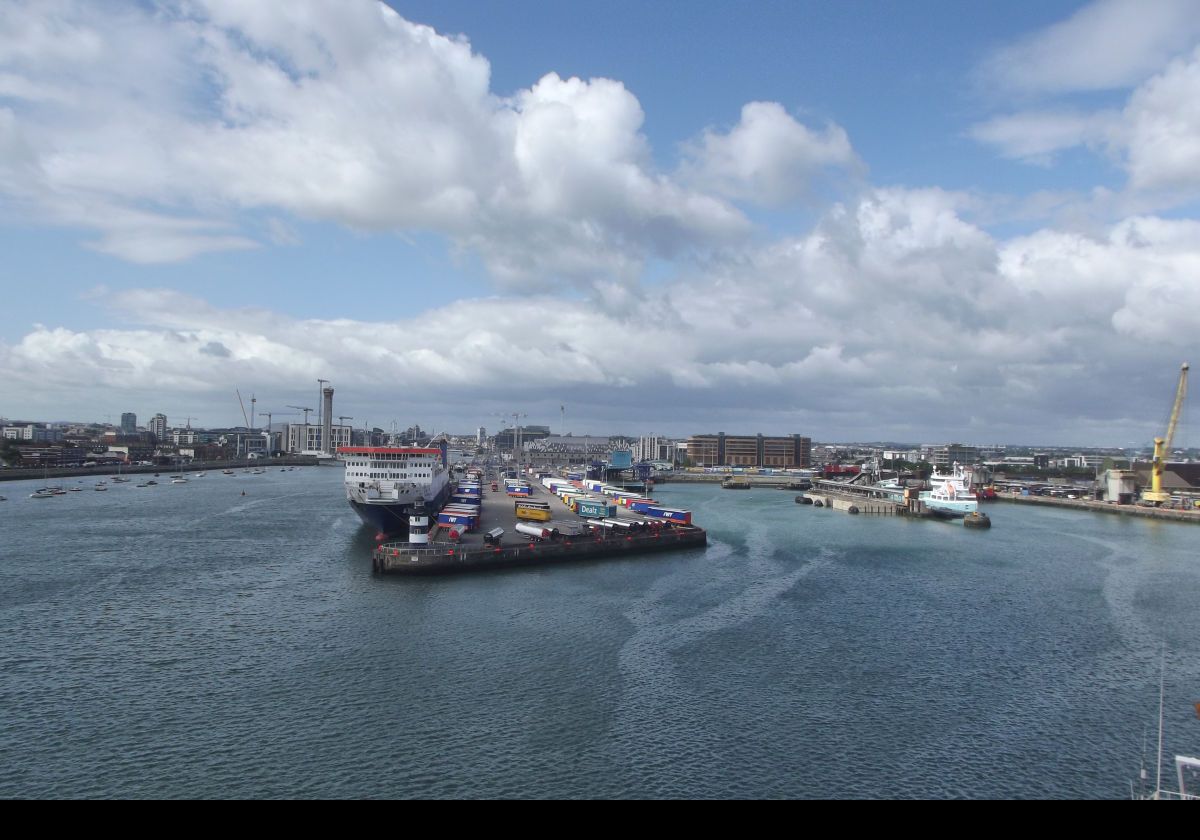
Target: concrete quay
[1096, 506]
[857, 498]
[575, 542]
[869, 500]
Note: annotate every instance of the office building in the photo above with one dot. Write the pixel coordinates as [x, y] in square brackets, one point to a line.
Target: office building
[722, 450]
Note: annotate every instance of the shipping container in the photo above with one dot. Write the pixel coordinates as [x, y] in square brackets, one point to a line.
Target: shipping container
[681, 517]
[462, 521]
[595, 508]
[533, 511]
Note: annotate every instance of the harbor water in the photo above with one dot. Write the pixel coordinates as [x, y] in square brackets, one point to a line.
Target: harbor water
[190, 641]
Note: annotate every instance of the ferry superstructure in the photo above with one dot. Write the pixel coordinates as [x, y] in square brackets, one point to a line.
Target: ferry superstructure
[384, 483]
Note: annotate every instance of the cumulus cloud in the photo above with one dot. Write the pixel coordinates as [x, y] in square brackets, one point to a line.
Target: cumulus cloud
[164, 128]
[171, 130]
[1162, 129]
[893, 316]
[768, 157]
[1108, 44]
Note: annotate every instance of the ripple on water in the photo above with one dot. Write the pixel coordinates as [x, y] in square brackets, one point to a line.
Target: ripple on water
[196, 643]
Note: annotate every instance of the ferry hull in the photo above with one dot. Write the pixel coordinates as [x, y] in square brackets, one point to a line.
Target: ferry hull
[391, 520]
[944, 511]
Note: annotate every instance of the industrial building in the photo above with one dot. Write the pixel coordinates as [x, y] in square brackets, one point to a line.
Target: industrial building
[506, 439]
[560, 450]
[722, 450]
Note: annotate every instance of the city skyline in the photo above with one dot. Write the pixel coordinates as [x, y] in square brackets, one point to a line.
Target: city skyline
[892, 221]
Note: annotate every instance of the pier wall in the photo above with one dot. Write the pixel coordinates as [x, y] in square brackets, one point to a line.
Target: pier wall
[400, 558]
[1163, 514]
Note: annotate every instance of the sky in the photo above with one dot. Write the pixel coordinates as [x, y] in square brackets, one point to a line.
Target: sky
[922, 221]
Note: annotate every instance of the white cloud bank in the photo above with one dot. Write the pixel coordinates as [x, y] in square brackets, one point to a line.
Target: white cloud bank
[160, 127]
[894, 313]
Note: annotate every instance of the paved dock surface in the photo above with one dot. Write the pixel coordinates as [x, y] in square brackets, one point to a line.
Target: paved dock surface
[576, 542]
[498, 512]
[1096, 506]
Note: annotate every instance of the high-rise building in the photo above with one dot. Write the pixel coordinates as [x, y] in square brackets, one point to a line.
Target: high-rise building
[128, 423]
[158, 427]
[653, 448]
[480, 437]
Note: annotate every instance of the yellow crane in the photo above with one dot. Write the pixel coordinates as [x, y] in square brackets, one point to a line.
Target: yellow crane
[1162, 446]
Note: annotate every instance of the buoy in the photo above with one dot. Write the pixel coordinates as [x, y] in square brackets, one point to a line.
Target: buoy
[977, 520]
[243, 492]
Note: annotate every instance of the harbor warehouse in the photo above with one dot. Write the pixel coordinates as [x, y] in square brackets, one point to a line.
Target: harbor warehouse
[722, 450]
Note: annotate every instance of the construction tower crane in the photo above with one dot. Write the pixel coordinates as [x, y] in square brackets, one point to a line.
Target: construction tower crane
[245, 419]
[305, 410]
[1162, 446]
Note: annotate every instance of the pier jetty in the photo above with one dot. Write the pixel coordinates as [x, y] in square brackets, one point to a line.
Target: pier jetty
[1098, 506]
[861, 499]
[870, 500]
[449, 552]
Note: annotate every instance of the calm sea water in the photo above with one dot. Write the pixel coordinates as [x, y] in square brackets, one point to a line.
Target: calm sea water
[188, 641]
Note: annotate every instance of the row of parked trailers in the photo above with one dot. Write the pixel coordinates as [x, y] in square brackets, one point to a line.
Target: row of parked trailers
[596, 500]
[461, 513]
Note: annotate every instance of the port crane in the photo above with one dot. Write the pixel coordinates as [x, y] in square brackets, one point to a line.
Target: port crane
[1162, 446]
[305, 410]
[269, 415]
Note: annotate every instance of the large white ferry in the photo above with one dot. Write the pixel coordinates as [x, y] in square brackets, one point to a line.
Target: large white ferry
[384, 483]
